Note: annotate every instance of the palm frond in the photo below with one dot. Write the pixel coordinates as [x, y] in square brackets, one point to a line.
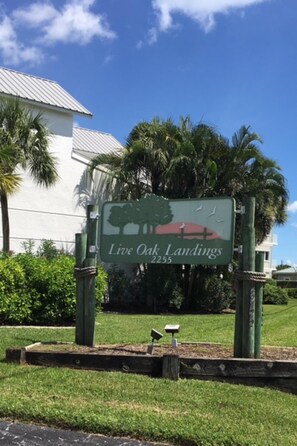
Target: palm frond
[9, 182]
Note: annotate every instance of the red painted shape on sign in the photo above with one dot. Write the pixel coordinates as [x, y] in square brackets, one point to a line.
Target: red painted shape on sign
[187, 231]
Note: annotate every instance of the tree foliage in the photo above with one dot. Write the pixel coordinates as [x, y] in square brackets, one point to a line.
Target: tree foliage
[196, 161]
[24, 140]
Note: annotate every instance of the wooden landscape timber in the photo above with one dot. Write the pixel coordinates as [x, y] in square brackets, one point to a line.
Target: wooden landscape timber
[280, 374]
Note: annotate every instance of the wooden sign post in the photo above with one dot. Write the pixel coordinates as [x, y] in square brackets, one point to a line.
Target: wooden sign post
[250, 278]
[85, 272]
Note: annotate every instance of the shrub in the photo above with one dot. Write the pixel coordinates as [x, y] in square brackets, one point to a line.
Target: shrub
[161, 287]
[41, 290]
[48, 250]
[55, 284]
[275, 295]
[124, 290]
[217, 295]
[292, 292]
[15, 301]
[101, 286]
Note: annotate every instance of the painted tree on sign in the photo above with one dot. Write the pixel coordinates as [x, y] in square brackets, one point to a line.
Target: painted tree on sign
[120, 216]
[157, 211]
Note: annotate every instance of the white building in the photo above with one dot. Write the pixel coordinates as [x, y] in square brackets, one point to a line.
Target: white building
[267, 247]
[56, 213]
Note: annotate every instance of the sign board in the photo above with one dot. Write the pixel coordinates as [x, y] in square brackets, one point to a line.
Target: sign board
[156, 230]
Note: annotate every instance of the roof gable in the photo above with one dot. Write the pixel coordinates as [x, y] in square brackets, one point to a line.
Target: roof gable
[38, 90]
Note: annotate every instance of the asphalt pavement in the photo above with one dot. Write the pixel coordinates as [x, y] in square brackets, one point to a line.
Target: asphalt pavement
[17, 434]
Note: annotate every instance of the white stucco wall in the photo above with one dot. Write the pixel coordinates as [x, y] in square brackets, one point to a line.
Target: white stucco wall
[38, 213]
[267, 248]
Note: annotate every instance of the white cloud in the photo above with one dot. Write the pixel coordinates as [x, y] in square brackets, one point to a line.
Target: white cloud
[152, 36]
[72, 22]
[14, 52]
[292, 207]
[201, 11]
[150, 39]
[139, 44]
[35, 14]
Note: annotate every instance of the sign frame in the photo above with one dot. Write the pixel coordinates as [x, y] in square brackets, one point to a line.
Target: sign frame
[163, 231]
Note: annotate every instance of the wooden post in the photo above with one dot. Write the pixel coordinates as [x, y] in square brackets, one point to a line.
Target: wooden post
[171, 367]
[80, 256]
[259, 304]
[239, 313]
[90, 280]
[238, 321]
[248, 345]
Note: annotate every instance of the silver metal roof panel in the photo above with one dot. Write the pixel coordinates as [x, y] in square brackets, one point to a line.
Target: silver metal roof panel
[38, 90]
[290, 270]
[90, 143]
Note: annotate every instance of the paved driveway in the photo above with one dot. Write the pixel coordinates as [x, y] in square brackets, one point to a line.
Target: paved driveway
[13, 434]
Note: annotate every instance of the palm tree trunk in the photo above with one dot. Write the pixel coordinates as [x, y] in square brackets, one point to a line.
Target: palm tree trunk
[5, 221]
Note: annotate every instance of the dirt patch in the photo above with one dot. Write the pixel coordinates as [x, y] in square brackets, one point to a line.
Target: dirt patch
[189, 350]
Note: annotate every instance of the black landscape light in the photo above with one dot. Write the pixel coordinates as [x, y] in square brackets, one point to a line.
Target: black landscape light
[155, 335]
[172, 329]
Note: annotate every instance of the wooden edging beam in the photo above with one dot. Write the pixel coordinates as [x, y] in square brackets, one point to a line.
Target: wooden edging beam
[280, 374]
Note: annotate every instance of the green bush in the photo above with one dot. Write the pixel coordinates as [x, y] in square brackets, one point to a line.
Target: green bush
[48, 250]
[41, 290]
[292, 292]
[101, 286]
[15, 301]
[124, 291]
[217, 295]
[55, 291]
[274, 295]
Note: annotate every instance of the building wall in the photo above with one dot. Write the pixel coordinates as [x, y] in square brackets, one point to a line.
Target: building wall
[267, 247]
[38, 213]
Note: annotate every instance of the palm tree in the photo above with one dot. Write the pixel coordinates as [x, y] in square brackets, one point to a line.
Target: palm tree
[141, 166]
[242, 169]
[24, 140]
[194, 161]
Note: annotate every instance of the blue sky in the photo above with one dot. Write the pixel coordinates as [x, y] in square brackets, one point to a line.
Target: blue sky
[226, 62]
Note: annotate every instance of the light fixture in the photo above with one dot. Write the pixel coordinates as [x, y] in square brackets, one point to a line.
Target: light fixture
[155, 335]
[172, 329]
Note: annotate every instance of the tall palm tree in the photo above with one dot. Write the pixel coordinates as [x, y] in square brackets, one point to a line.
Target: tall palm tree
[242, 169]
[24, 141]
[141, 166]
[193, 161]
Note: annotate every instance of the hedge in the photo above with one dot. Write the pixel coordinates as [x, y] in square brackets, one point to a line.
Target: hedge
[273, 294]
[39, 290]
[292, 292]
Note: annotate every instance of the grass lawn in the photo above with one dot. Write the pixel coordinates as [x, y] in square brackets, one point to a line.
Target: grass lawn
[183, 412]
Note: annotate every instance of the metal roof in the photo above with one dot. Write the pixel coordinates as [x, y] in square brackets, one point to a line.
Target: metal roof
[38, 90]
[90, 143]
[290, 270]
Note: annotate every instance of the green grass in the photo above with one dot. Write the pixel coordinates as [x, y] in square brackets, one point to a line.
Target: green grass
[205, 413]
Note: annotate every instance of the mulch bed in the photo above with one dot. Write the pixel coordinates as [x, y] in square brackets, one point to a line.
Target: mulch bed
[189, 350]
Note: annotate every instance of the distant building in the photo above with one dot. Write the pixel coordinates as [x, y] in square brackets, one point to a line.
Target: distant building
[286, 278]
[56, 213]
[266, 247]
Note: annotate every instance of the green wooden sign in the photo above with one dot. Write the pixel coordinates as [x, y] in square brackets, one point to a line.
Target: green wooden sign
[156, 230]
